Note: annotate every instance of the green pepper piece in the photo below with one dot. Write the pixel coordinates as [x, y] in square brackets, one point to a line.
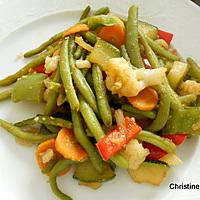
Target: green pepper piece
[29, 87]
[185, 120]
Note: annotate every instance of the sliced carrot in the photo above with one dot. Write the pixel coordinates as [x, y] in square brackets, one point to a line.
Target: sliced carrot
[146, 100]
[44, 147]
[68, 147]
[76, 29]
[113, 34]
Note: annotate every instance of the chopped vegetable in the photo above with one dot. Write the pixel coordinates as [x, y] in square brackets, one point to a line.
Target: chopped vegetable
[177, 73]
[93, 185]
[100, 20]
[189, 87]
[51, 64]
[75, 29]
[146, 100]
[68, 147]
[123, 80]
[115, 140]
[83, 64]
[155, 152]
[150, 172]
[184, 121]
[171, 159]
[40, 69]
[165, 36]
[87, 173]
[45, 153]
[113, 34]
[135, 153]
[29, 88]
[102, 52]
[177, 139]
[79, 40]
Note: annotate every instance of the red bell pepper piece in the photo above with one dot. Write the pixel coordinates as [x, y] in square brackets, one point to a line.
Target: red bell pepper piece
[115, 140]
[165, 36]
[177, 139]
[155, 152]
[40, 69]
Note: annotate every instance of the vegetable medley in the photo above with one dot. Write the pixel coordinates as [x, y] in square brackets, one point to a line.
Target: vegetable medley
[116, 93]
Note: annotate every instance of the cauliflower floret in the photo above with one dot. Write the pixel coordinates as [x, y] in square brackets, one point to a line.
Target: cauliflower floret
[189, 87]
[81, 64]
[51, 64]
[123, 80]
[135, 153]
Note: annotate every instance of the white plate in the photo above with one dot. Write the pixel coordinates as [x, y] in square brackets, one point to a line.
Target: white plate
[20, 178]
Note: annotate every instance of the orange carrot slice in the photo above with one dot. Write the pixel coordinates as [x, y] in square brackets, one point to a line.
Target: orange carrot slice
[47, 146]
[113, 34]
[76, 29]
[146, 100]
[68, 147]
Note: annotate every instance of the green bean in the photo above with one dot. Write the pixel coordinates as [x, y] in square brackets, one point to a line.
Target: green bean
[84, 72]
[130, 109]
[80, 80]
[102, 11]
[188, 99]
[44, 45]
[89, 80]
[17, 132]
[124, 54]
[96, 129]
[161, 51]
[88, 132]
[83, 55]
[52, 129]
[132, 44]
[78, 52]
[153, 60]
[53, 95]
[175, 102]
[102, 100]
[50, 165]
[65, 73]
[198, 101]
[5, 94]
[163, 143]
[163, 113]
[85, 142]
[161, 62]
[85, 13]
[56, 190]
[34, 63]
[90, 37]
[44, 119]
[194, 68]
[43, 129]
[59, 167]
[26, 122]
[136, 116]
